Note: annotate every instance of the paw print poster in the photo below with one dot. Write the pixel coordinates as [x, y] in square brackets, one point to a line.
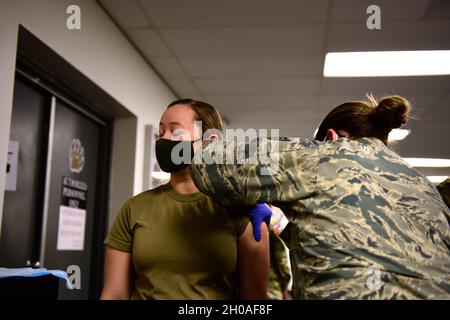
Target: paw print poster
[76, 156]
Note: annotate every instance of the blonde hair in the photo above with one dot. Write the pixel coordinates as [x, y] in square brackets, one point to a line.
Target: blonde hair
[204, 112]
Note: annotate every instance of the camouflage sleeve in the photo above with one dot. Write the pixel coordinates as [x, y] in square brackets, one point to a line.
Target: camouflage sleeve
[263, 170]
[281, 258]
[279, 272]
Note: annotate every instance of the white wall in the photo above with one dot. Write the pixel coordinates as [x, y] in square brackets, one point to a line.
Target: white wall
[99, 50]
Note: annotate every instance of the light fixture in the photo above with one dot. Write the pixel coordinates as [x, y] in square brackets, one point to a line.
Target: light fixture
[387, 63]
[437, 179]
[160, 175]
[398, 134]
[428, 162]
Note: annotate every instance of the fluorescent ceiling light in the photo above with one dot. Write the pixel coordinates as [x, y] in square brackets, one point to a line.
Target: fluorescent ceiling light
[437, 179]
[387, 63]
[159, 175]
[398, 134]
[428, 162]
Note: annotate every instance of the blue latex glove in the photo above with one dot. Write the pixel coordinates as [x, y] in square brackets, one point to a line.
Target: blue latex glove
[259, 213]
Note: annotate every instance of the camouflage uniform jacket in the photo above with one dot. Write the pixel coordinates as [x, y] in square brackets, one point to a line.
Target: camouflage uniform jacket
[280, 270]
[364, 224]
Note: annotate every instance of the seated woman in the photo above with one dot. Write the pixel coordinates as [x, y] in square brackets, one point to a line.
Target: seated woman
[174, 242]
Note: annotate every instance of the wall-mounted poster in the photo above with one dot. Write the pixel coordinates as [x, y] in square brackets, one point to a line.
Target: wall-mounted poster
[72, 214]
[76, 156]
[11, 166]
[72, 222]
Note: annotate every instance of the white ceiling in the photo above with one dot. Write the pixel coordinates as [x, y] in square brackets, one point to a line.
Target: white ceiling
[260, 62]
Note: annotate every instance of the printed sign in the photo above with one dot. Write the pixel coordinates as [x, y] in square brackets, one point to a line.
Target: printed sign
[72, 214]
[11, 166]
[72, 222]
[73, 193]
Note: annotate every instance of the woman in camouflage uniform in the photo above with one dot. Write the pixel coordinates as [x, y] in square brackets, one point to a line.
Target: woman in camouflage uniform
[364, 224]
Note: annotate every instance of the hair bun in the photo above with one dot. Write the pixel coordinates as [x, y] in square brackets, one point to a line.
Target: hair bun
[391, 112]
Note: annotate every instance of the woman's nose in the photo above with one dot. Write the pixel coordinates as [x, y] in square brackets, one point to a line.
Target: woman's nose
[167, 135]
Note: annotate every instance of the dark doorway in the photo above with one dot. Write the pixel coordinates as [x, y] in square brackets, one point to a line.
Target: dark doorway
[55, 217]
[55, 107]
[22, 211]
[73, 188]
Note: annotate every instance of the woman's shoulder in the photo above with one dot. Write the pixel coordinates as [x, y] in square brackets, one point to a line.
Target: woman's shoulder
[236, 216]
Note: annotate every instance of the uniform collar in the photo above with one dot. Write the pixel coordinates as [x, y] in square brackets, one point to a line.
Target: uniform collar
[171, 192]
[370, 141]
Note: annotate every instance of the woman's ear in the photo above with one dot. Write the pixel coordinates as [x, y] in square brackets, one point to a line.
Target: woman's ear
[331, 135]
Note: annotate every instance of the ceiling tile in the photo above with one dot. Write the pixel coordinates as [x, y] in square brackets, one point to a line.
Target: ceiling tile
[254, 66]
[424, 35]
[168, 67]
[293, 129]
[355, 10]
[258, 86]
[268, 116]
[420, 102]
[126, 13]
[267, 40]
[437, 115]
[182, 13]
[385, 86]
[438, 9]
[303, 103]
[183, 87]
[149, 42]
[431, 148]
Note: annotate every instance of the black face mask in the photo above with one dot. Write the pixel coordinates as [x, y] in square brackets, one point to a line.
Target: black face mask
[166, 148]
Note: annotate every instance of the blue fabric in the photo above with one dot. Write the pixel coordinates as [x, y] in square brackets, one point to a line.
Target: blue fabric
[30, 272]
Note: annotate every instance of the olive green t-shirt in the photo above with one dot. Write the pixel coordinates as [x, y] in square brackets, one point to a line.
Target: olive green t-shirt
[182, 246]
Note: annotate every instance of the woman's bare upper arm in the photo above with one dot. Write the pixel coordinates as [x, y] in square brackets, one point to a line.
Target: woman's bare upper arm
[254, 260]
[117, 275]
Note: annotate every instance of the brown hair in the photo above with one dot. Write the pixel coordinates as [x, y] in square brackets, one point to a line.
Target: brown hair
[367, 118]
[204, 112]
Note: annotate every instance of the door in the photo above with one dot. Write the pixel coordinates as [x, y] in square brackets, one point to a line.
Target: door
[22, 209]
[72, 196]
[55, 218]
